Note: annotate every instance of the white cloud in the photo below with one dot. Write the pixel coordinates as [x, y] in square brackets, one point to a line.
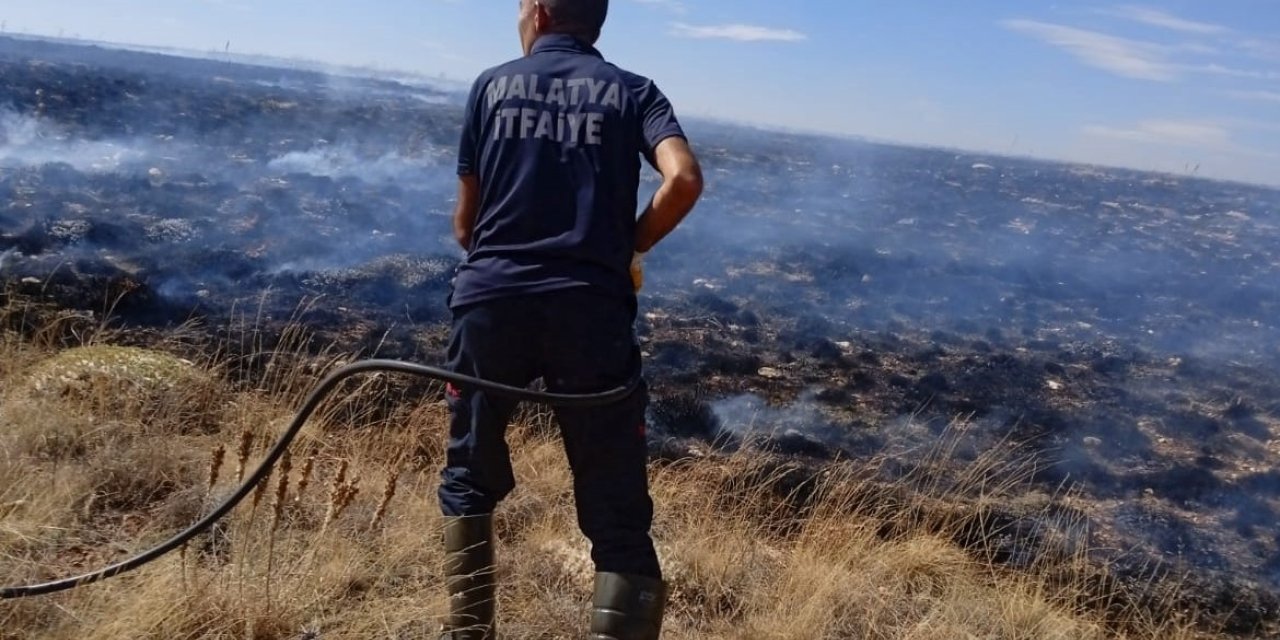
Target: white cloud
[1260, 48]
[1157, 18]
[1121, 56]
[1219, 70]
[1130, 58]
[738, 32]
[1251, 125]
[1177, 133]
[235, 5]
[674, 6]
[1258, 96]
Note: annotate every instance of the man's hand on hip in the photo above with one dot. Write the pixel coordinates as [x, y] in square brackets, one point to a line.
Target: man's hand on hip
[637, 270]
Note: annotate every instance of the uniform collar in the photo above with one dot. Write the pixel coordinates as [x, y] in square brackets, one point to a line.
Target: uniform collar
[561, 42]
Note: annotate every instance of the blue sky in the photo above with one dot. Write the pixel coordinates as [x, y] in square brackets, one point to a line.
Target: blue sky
[1160, 85]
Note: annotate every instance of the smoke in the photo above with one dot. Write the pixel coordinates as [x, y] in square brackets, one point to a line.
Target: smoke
[212, 177]
[748, 414]
[382, 85]
[338, 161]
[26, 141]
[802, 427]
[872, 237]
[8, 258]
[313, 171]
[867, 237]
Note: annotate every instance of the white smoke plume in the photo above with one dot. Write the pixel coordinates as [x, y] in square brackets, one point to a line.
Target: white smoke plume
[342, 160]
[27, 141]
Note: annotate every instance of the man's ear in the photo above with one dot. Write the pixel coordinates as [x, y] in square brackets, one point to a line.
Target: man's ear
[541, 17]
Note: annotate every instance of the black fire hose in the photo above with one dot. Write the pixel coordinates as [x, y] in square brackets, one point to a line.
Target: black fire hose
[313, 400]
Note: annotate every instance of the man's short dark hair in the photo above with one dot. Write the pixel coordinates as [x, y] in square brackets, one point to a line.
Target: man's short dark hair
[582, 19]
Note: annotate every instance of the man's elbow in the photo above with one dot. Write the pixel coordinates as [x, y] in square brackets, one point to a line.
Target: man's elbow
[687, 183]
[462, 229]
[463, 236]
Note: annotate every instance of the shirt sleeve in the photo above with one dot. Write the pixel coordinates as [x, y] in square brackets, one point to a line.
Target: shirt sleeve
[469, 144]
[657, 119]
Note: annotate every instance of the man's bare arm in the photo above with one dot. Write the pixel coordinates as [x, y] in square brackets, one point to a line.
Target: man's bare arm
[465, 211]
[681, 187]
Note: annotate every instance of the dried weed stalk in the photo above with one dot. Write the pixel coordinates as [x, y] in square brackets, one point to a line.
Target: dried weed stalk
[282, 489]
[388, 492]
[304, 479]
[216, 458]
[341, 493]
[246, 445]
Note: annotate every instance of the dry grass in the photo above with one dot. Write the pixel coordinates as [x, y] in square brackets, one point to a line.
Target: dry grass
[344, 544]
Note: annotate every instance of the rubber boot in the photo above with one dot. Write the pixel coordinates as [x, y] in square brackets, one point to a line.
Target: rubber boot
[469, 578]
[627, 607]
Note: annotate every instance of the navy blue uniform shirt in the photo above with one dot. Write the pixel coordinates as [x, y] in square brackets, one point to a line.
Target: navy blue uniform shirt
[555, 139]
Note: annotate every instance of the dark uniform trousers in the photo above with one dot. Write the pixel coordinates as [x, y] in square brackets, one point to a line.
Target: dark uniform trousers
[577, 342]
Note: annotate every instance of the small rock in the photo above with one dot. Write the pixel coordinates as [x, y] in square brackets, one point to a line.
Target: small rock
[1053, 385]
[1091, 441]
[769, 372]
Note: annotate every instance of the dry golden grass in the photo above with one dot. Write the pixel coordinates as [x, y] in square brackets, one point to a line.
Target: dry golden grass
[345, 544]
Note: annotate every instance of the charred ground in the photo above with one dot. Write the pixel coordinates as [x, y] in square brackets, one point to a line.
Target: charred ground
[829, 298]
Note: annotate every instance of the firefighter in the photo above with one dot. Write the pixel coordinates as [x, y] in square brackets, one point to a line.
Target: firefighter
[549, 164]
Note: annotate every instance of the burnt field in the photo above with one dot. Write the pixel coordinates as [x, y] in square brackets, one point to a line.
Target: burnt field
[1112, 332]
